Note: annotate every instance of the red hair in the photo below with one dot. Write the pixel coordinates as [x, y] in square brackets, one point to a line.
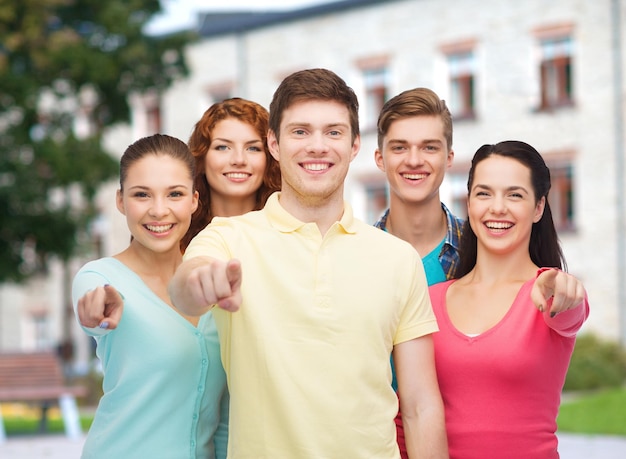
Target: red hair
[247, 112]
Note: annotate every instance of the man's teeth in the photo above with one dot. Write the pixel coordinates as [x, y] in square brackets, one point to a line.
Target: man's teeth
[160, 228]
[414, 176]
[315, 166]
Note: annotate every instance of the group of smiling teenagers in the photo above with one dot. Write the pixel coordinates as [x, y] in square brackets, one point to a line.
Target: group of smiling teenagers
[254, 316]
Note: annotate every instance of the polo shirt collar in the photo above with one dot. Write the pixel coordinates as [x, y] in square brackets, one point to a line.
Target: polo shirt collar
[286, 223]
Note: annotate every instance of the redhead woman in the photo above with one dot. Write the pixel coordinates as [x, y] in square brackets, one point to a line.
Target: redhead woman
[235, 172]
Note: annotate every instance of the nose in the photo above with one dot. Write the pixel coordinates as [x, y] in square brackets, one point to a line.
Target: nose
[317, 143]
[498, 205]
[415, 157]
[159, 208]
[239, 157]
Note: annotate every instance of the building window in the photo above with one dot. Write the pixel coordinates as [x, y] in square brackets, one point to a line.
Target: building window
[219, 92]
[561, 196]
[219, 96]
[146, 113]
[376, 199]
[376, 91]
[454, 191]
[375, 88]
[461, 70]
[556, 73]
[41, 328]
[153, 118]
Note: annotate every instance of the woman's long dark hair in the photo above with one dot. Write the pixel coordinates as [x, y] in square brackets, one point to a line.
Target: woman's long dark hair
[544, 247]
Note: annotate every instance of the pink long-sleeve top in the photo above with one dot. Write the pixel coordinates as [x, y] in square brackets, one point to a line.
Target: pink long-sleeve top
[501, 389]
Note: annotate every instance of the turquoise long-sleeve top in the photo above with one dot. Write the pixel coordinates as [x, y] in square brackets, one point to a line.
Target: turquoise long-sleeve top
[164, 385]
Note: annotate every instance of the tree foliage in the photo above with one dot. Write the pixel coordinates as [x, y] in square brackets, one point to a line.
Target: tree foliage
[67, 68]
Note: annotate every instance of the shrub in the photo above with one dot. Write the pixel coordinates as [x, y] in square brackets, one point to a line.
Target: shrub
[596, 364]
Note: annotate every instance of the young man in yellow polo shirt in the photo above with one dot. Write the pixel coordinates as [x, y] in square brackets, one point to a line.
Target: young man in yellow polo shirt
[311, 301]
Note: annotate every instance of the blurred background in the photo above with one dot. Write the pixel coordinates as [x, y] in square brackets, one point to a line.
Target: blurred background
[81, 80]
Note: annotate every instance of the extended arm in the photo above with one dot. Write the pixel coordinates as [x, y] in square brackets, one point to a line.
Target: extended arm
[203, 282]
[566, 290]
[562, 299]
[101, 307]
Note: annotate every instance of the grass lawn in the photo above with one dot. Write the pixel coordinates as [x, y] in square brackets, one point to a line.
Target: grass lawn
[20, 419]
[31, 426]
[602, 412]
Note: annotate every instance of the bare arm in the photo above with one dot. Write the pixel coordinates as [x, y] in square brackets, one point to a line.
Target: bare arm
[420, 400]
[203, 282]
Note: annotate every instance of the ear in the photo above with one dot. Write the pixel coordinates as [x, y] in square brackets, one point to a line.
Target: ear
[356, 146]
[119, 202]
[378, 158]
[194, 205]
[450, 159]
[272, 145]
[541, 205]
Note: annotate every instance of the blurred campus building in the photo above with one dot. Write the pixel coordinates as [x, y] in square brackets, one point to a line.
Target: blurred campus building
[548, 72]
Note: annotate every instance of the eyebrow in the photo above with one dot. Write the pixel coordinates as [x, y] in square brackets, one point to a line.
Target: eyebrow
[509, 188]
[308, 125]
[219, 139]
[426, 141]
[143, 187]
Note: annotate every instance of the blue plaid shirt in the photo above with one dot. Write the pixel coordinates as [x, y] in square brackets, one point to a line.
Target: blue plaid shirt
[449, 255]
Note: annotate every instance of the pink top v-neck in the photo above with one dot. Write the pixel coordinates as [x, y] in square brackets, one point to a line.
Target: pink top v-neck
[501, 389]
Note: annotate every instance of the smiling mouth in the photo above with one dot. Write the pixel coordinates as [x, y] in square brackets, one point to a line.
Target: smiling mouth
[315, 167]
[414, 176]
[159, 228]
[237, 175]
[498, 226]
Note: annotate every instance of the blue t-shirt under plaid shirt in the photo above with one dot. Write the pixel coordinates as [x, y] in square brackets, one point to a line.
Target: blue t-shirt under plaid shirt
[449, 255]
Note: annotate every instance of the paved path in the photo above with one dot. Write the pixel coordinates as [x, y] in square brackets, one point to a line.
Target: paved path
[40, 447]
[59, 447]
[591, 447]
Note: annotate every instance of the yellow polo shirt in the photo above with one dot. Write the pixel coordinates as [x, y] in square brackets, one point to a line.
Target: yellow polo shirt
[307, 355]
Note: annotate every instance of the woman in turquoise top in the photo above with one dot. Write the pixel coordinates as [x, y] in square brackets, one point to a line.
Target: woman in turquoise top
[164, 386]
[157, 404]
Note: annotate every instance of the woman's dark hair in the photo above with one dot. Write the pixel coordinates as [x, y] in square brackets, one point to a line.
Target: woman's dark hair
[544, 247]
[157, 144]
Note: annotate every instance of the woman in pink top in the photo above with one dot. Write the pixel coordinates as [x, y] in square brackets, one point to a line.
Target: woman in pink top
[504, 343]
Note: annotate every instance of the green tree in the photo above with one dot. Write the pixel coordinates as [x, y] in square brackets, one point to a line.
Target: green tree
[66, 64]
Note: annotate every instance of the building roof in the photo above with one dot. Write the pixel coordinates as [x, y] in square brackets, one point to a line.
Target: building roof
[212, 24]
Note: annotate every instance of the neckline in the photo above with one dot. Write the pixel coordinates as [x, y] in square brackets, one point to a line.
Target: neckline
[162, 304]
[490, 330]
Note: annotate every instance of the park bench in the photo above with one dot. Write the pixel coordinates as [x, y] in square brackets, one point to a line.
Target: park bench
[37, 377]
